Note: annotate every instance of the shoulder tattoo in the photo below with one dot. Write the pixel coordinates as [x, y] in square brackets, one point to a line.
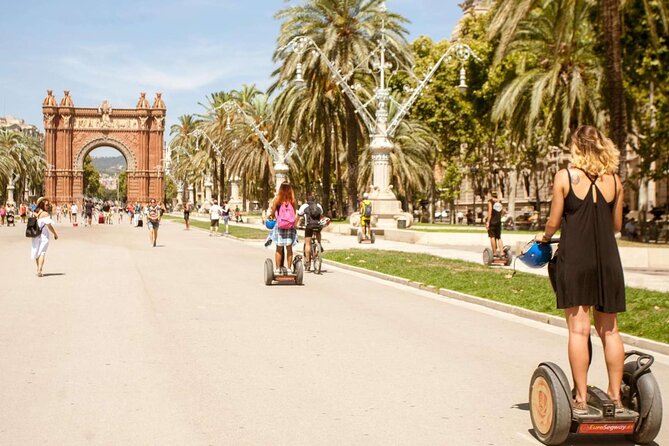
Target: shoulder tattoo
[575, 178]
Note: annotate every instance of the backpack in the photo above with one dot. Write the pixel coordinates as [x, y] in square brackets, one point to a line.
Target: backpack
[313, 212]
[367, 207]
[32, 228]
[286, 216]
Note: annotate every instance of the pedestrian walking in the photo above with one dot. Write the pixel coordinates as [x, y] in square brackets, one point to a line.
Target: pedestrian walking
[587, 274]
[226, 216]
[3, 214]
[40, 243]
[284, 234]
[153, 214]
[188, 208]
[215, 212]
[74, 211]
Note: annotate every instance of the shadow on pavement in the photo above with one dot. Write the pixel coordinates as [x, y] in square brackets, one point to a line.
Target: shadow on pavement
[521, 406]
[52, 274]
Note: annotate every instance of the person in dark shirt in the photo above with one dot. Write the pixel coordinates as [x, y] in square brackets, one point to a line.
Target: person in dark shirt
[494, 224]
[88, 210]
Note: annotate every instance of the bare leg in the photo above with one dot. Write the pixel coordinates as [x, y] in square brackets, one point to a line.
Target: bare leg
[606, 325]
[278, 257]
[40, 263]
[493, 245]
[289, 255]
[307, 248]
[578, 322]
[500, 246]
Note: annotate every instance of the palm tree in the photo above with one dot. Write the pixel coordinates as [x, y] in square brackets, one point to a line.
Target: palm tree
[509, 13]
[183, 149]
[22, 159]
[345, 30]
[615, 90]
[248, 155]
[557, 79]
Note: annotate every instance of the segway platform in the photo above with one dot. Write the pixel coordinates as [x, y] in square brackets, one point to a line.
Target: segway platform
[489, 259]
[362, 239]
[553, 419]
[288, 276]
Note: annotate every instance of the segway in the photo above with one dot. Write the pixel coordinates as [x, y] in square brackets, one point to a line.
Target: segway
[550, 394]
[489, 259]
[363, 239]
[294, 275]
[553, 419]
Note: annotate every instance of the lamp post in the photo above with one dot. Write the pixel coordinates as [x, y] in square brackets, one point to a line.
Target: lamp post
[280, 155]
[385, 204]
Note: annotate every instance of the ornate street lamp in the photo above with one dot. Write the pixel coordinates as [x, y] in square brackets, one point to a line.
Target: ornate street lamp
[280, 155]
[384, 200]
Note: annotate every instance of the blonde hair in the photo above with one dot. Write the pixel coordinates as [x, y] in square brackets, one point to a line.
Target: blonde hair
[593, 152]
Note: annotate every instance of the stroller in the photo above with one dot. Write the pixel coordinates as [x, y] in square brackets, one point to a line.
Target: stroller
[10, 217]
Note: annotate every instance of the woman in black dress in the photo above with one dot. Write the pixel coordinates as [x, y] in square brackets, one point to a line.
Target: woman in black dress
[587, 207]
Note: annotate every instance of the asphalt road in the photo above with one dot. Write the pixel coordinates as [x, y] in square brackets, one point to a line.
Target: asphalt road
[125, 344]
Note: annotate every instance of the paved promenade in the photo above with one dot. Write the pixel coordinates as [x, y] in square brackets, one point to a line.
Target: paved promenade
[124, 344]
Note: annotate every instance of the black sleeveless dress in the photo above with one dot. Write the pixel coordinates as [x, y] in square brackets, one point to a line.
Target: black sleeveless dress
[588, 269]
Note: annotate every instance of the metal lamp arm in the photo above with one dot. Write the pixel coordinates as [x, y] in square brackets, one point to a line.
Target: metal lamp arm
[229, 105]
[463, 52]
[302, 42]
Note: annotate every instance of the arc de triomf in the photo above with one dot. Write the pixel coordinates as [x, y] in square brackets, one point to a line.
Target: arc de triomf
[72, 132]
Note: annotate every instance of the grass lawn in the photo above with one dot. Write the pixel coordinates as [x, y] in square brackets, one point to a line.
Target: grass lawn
[647, 311]
[235, 230]
[459, 230]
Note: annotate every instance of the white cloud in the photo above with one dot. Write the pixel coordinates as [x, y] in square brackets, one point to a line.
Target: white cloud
[122, 70]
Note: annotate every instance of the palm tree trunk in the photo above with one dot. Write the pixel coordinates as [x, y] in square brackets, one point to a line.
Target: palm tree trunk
[612, 27]
[339, 189]
[351, 155]
[327, 161]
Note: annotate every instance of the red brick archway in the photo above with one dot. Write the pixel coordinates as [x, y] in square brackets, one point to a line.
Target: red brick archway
[72, 132]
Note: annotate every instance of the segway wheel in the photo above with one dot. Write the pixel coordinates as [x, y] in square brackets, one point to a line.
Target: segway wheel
[487, 257]
[646, 400]
[299, 273]
[269, 272]
[550, 409]
[359, 237]
[509, 259]
[372, 238]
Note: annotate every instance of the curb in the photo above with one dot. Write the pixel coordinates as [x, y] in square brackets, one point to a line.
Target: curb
[549, 319]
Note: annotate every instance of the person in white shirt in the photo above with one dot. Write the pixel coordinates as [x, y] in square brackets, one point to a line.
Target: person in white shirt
[74, 210]
[214, 216]
[312, 212]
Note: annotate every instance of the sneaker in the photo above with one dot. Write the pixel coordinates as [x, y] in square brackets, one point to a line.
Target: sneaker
[268, 242]
[579, 408]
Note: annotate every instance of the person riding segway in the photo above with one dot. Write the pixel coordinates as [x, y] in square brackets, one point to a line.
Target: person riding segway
[498, 254]
[365, 233]
[284, 236]
[587, 274]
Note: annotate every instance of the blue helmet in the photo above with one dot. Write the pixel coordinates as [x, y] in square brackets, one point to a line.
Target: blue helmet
[536, 255]
[269, 224]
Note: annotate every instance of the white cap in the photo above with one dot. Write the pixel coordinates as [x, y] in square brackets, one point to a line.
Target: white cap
[365, 195]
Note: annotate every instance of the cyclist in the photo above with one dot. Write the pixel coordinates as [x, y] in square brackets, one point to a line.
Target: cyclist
[366, 216]
[312, 212]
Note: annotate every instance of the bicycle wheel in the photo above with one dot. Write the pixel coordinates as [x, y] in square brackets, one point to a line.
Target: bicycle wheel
[316, 254]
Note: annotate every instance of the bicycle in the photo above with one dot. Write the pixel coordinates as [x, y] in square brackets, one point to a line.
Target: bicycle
[316, 262]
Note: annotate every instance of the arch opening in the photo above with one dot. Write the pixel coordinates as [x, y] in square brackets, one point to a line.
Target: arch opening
[105, 174]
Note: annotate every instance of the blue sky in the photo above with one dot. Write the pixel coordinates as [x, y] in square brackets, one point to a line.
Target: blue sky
[186, 49]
